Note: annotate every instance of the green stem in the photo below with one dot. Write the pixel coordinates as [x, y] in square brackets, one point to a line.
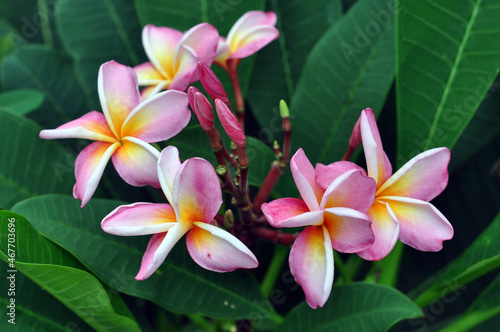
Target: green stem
[43, 11]
[273, 270]
[201, 322]
[341, 267]
[389, 266]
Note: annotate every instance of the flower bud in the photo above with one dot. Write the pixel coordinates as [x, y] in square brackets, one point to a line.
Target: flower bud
[229, 123]
[211, 83]
[203, 111]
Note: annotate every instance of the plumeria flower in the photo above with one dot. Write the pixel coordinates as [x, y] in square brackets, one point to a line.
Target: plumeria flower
[195, 196]
[254, 30]
[174, 56]
[401, 209]
[335, 218]
[123, 131]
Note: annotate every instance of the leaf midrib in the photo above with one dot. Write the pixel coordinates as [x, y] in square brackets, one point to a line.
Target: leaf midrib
[453, 73]
[175, 267]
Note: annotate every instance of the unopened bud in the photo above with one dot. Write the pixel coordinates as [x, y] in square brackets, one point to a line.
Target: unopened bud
[203, 111]
[191, 92]
[228, 219]
[284, 111]
[229, 123]
[211, 83]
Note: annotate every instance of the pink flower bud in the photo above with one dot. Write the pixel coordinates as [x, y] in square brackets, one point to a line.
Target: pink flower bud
[203, 111]
[191, 92]
[211, 83]
[229, 122]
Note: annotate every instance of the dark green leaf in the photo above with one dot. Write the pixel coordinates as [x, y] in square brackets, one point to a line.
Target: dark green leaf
[54, 270]
[480, 258]
[178, 285]
[355, 307]
[35, 309]
[108, 30]
[278, 66]
[349, 69]
[448, 55]
[37, 67]
[20, 101]
[29, 165]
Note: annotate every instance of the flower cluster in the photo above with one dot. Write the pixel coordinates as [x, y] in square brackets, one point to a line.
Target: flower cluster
[342, 206]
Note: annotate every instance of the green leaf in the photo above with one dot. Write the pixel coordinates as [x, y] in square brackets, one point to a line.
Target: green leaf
[485, 307]
[447, 57]
[278, 66]
[10, 40]
[29, 165]
[484, 126]
[51, 73]
[35, 309]
[350, 68]
[179, 285]
[355, 307]
[54, 270]
[480, 258]
[109, 30]
[20, 101]
[22, 14]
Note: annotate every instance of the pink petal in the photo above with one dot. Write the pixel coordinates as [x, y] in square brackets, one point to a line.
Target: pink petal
[118, 93]
[304, 176]
[290, 212]
[160, 44]
[352, 189]
[311, 264]
[250, 20]
[136, 161]
[91, 126]
[159, 247]
[217, 250]
[186, 69]
[229, 123]
[423, 177]
[147, 74]
[89, 166]
[385, 227]
[377, 162]
[154, 89]
[252, 40]
[168, 166]
[139, 219]
[422, 225]
[202, 39]
[223, 52]
[349, 229]
[197, 195]
[325, 174]
[159, 118]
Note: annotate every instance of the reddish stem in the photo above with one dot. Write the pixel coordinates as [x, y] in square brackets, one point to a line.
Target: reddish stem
[274, 235]
[232, 70]
[348, 153]
[268, 185]
[287, 132]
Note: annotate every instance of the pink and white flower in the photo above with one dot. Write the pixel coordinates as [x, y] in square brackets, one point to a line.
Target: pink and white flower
[254, 30]
[335, 217]
[122, 131]
[401, 209]
[195, 196]
[174, 56]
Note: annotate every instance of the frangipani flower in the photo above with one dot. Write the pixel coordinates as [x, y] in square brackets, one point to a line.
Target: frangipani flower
[123, 131]
[174, 56]
[335, 218]
[254, 30]
[401, 209]
[195, 196]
